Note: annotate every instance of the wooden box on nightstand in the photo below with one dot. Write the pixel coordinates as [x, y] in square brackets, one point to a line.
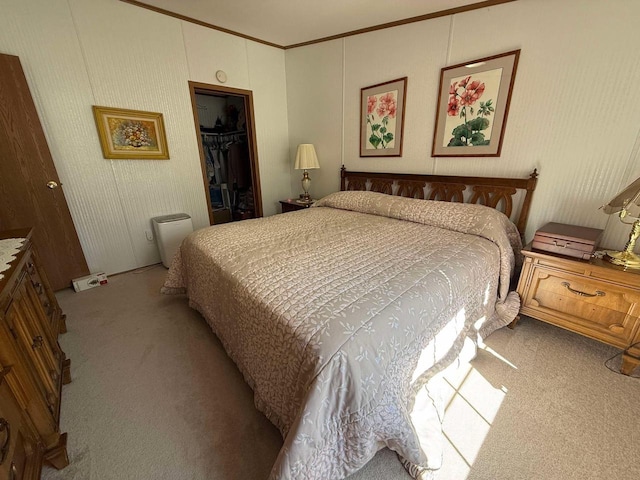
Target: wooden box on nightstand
[591, 297]
[291, 205]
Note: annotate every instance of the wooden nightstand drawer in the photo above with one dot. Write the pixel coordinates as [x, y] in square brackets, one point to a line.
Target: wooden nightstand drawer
[597, 309]
[590, 297]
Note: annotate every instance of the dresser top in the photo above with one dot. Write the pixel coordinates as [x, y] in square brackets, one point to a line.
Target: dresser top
[8, 275]
[597, 264]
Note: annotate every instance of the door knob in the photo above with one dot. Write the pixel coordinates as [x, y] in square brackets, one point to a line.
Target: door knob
[52, 185]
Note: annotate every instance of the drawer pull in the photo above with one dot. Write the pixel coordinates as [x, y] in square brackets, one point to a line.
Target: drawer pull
[4, 426]
[37, 342]
[555, 242]
[51, 400]
[582, 294]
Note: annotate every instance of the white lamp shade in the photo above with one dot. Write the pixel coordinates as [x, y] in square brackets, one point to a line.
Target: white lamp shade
[306, 157]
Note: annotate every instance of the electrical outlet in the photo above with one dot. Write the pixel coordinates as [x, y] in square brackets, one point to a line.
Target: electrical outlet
[149, 235]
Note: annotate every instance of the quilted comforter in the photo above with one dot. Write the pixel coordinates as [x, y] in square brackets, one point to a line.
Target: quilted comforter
[338, 315]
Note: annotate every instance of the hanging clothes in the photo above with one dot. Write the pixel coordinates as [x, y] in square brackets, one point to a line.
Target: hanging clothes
[211, 171]
[239, 165]
[228, 169]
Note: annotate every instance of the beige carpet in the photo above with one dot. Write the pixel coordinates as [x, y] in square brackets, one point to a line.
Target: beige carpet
[154, 396]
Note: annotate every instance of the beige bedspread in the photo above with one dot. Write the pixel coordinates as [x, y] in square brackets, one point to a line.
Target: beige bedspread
[338, 315]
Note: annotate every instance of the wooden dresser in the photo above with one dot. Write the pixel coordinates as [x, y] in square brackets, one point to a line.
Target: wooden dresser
[32, 368]
[590, 297]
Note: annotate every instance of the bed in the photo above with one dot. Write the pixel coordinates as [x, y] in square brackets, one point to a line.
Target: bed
[341, 316]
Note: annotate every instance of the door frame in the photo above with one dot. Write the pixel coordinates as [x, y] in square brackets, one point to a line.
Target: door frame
[219, 90]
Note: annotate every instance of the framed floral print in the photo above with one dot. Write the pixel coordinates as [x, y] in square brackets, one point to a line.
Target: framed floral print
[473, 105]
[131, 134]
[382, 119]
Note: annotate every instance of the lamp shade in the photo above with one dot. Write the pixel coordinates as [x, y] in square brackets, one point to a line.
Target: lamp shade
[628, 199]
[306, 157]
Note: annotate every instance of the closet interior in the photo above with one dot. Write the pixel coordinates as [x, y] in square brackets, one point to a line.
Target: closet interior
[228, 169]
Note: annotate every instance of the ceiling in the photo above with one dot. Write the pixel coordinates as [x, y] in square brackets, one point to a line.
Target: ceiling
[291, 22]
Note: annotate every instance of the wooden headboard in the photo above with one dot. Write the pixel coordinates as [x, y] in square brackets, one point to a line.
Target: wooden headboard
[494, 192]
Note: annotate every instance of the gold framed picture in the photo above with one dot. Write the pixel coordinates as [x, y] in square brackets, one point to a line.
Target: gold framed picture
[131, 134]
[473, 105]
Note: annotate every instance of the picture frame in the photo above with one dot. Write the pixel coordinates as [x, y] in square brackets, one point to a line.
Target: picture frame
[131, 134]
[382, 109]
[473, 106]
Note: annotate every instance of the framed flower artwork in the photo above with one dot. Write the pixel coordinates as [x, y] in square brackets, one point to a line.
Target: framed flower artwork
[473, 105]
[382, 118]
[131, 134]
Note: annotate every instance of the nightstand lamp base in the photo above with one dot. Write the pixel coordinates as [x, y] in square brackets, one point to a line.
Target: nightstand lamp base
[627, 258]
[624, 259]
[305, 198]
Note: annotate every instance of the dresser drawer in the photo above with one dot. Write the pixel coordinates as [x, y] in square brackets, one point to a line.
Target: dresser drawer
[29, 336]
[45, 296]
[19, 455]
[600, 310]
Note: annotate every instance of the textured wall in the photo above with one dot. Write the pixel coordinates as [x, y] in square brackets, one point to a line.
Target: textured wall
[314, 102]
[256, 67]
[268, 82]
[573, 113]
[79, 53]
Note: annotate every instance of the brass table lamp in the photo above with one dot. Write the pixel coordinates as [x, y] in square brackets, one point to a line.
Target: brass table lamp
[627, 205]
[306, 159]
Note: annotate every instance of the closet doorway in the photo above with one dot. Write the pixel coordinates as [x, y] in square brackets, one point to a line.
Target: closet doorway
[225, 127]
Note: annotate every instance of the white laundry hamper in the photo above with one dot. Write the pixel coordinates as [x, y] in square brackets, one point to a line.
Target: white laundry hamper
[170, 230]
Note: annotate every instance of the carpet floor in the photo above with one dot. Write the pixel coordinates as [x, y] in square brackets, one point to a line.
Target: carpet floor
[154, 396]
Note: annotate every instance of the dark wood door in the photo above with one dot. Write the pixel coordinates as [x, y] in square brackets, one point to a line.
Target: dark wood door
[30, 191]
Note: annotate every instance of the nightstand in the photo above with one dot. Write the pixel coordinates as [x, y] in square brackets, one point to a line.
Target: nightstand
[291, 205]
[590, 297]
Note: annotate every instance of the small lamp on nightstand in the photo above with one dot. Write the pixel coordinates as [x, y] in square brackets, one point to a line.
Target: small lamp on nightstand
[627, 205]
[306, 159]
